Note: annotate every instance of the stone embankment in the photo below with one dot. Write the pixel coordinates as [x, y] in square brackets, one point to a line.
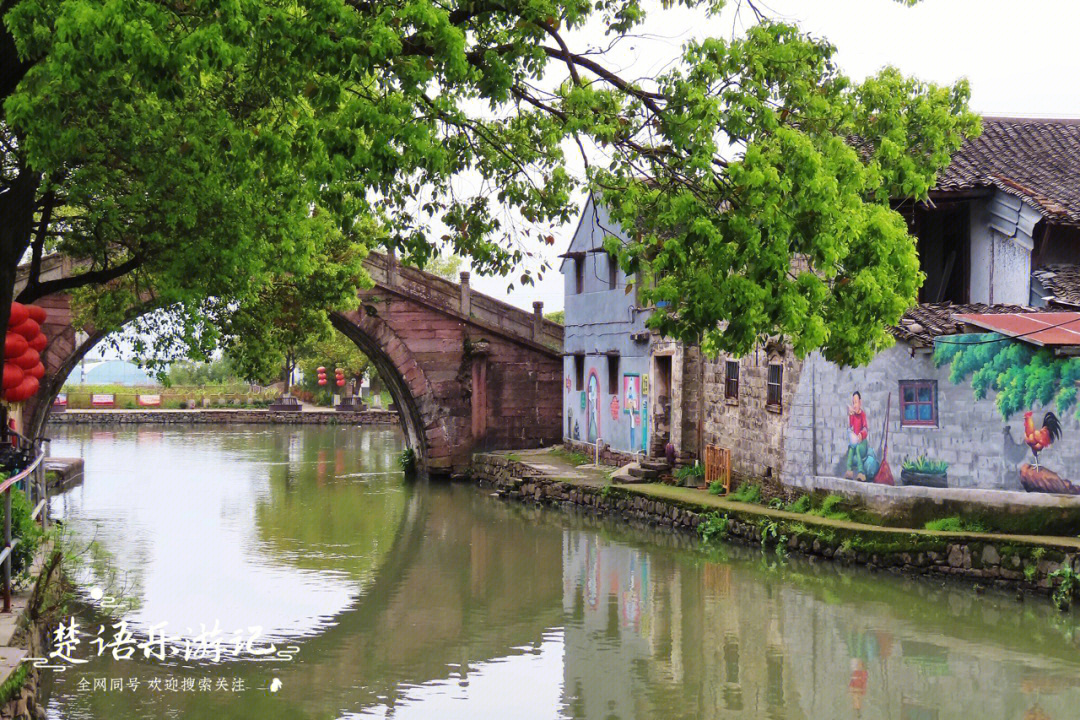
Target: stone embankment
[1030, 563]
[237, 417]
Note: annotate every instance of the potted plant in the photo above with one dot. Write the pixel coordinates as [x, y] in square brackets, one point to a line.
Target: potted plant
[925, 472]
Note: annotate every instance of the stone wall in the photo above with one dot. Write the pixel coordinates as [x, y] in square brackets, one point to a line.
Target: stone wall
[196, 417]
[753, 431]
[985, 561]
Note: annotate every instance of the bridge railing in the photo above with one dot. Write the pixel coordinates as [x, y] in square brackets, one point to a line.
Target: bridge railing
[460, 300]
[32, 478]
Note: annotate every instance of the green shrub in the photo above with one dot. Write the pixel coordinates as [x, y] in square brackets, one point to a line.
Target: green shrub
[24, 528]
[716, 488]
[687, 472]
[832, 507]
[955, 523]
[801, 504]
[714, 527]
[1067, 585]
[747, 492]
[407, 460]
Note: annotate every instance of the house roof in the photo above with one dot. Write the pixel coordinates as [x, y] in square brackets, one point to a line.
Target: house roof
[1035, 159]
[1061, 282]
[922, 323]
[1046, 329]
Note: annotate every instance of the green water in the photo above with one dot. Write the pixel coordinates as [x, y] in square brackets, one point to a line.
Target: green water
[417, 600]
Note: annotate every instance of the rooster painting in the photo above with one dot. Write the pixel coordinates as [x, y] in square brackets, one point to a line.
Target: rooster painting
[1041, 438]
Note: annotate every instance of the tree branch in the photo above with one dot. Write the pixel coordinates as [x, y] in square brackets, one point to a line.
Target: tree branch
[104, 275]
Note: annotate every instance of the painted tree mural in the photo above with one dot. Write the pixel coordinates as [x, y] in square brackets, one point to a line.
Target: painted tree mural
[1023, 376]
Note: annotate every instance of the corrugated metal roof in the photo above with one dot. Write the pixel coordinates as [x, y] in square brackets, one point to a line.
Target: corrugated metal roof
[1048, 329]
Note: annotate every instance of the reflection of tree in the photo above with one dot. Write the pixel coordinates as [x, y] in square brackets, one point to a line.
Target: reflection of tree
[336, 504]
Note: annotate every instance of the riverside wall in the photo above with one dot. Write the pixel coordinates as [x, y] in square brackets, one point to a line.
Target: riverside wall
[1008, 562]
[239, 417]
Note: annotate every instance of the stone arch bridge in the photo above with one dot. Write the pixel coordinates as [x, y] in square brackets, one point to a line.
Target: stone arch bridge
[467, 372]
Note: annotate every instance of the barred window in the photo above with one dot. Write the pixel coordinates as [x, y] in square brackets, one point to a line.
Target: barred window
[731, 380]
[918, 403]
[774, 386]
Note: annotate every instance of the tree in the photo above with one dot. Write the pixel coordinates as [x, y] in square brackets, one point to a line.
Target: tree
[336, 351]
[180, 149]
[558, 316]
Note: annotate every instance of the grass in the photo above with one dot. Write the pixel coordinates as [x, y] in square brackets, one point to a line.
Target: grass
[802, 504]
[575, 458]
[832, 507]
[748, 492]
[955, 523]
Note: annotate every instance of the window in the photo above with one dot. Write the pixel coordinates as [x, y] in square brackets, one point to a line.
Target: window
[613, 374]
[612, 271]
[579, 275]
[774, 386]
[918, 403]
[731, 380]
[579, 372]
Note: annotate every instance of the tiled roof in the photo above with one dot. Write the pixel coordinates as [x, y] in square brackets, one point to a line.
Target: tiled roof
[1061, 282]
[1037, 160]
[922, 323]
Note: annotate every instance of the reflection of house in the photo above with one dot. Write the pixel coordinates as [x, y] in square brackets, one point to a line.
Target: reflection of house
[618, 386]
[1001, 233]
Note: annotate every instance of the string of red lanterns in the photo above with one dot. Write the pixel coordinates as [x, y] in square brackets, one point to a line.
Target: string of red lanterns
[23, 343]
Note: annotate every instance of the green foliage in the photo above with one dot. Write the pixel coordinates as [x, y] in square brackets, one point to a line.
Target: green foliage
[689, 472]
[334, 351]
[573, 457]
[231, 163]
[955, 523]
[407, 460]
[24, 528]
[923, 464]
[558, 316]
[713, 527]
[716, 488]
[801, 504]
[776, 504]
[1021, 375]
[832, 506]
[1067, 583]
[219, 371]
[748, 492]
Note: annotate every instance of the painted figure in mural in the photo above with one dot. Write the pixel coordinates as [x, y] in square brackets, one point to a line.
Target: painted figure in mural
[858, 447]
[592, 409]
[632, 403]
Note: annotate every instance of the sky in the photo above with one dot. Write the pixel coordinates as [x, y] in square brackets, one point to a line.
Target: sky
[1021, 58]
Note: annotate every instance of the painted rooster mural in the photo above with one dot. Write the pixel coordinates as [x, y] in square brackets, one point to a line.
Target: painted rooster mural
[1043, 437]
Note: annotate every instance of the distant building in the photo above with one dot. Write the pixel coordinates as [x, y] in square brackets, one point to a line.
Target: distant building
[112, 372]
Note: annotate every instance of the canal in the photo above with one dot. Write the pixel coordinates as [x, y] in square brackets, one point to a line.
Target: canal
[387, 598]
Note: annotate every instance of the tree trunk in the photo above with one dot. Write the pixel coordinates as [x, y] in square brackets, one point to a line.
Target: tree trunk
[16, 225]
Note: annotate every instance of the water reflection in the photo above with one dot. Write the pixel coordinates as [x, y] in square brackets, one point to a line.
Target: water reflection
[440, 601]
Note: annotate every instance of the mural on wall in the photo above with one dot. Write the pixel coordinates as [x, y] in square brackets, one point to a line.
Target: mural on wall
[615, 407]
[636, 407]
[862, 461]
[1023, 377]
[592, 407]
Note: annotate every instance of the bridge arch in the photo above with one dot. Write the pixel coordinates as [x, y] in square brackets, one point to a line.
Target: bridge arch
[466, 371]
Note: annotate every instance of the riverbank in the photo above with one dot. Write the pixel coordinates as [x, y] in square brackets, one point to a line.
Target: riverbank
[238, 417]
[24, 633]
[1029, 563]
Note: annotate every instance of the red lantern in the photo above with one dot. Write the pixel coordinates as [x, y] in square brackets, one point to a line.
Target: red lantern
[37, 371]
[13, 375]
[39, 342]
[341, 382]
[37, 314]
[28, 359]
[321, 370]
[14, 345]
[18, 314]
[27, 328]
[322, 381]
[23, 391]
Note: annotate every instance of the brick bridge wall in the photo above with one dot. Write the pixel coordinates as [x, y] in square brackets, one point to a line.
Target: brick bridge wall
[467, 372]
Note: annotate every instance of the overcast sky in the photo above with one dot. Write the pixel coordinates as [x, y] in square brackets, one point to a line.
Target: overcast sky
[1022, 58]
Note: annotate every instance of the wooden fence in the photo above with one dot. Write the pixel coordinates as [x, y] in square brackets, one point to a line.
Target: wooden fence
[718, 466]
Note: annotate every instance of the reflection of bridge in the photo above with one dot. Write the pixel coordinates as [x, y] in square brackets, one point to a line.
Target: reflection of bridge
[466, 371]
